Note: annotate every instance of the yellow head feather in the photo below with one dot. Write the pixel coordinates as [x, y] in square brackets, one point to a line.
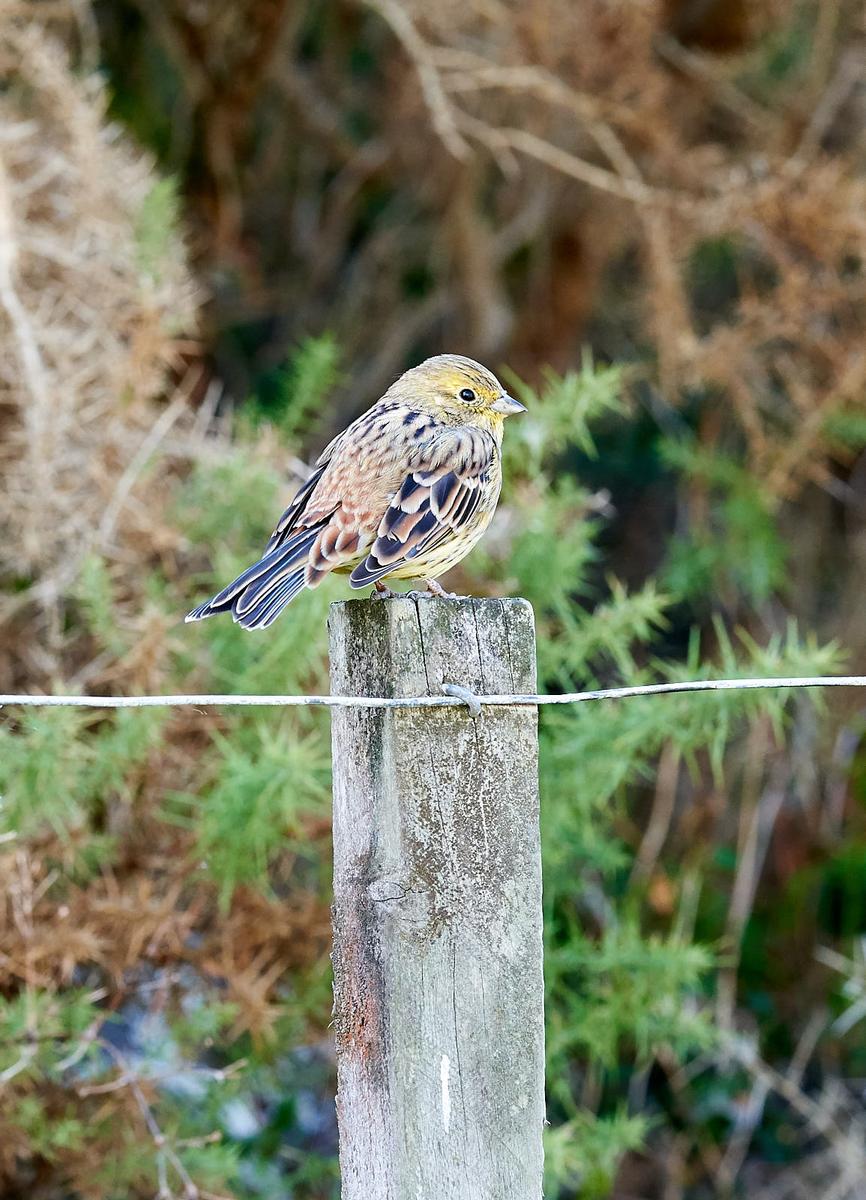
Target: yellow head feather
[455, 389]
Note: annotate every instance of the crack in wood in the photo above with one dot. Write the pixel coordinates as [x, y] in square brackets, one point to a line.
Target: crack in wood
[437, 913]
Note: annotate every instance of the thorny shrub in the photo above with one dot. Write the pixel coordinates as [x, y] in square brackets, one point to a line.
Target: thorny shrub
[164, 935]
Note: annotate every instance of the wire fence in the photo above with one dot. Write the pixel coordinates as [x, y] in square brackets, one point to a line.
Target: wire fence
[454, 696]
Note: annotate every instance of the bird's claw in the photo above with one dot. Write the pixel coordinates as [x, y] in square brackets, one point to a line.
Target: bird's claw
[434, 588]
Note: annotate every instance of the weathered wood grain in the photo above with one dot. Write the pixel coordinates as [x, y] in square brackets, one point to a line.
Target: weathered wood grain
[438, 991]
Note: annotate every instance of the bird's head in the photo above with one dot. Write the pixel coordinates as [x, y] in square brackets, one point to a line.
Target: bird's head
[457, 389]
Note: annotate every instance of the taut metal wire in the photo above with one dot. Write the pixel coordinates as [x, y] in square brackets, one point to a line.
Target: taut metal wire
[454, 696]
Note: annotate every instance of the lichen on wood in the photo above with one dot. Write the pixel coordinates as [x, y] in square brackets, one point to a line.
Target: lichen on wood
[438, 990]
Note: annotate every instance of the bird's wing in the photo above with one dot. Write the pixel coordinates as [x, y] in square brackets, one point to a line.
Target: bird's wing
[338, 468]
[298, 508]
[437, 499]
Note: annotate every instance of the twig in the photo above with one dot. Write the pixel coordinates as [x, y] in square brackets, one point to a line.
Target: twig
[552, 90]
[214, 1074]
[734, 1157]
[758, 814]
[127, 481]
[660, 819]
[21, 1063]
[166, 1153]
[848, 75]
[441, 112]
[723, 91]
[524, 142]
[848, 1148]
[24, 339]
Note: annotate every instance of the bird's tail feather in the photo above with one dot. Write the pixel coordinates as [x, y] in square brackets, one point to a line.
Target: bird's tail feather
[272, 601]
[261, 592]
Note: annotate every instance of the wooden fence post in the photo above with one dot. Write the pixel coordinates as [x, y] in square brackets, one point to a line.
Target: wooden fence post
[438, 990]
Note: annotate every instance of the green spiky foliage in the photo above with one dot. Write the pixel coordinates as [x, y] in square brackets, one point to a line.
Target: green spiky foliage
[218, 813]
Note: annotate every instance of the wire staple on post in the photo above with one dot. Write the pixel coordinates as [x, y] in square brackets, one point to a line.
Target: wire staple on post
[469, 698]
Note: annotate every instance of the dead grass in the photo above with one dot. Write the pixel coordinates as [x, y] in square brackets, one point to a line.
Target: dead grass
[90, 314]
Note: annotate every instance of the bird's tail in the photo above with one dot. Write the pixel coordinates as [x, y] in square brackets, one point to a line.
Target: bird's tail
[261, 592]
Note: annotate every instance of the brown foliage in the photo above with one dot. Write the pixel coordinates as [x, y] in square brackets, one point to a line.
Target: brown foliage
[520, 155]
[89, 330]
[509, 180]
[95, 304]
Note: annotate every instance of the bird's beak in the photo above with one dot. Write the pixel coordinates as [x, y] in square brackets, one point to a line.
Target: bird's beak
[507, 405]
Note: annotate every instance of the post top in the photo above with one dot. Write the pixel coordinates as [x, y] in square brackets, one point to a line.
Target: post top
[422, 598]
[412, 645]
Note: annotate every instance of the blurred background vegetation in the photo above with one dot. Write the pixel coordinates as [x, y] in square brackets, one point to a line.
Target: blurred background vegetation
[223, 230]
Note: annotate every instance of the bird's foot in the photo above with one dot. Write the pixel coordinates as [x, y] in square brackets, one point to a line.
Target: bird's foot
[434, 588]
[380, 592]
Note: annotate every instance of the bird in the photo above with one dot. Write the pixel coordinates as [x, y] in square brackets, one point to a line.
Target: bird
[404, 492]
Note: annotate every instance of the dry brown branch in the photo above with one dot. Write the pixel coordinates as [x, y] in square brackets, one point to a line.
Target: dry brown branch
[398, 18]
[760, 808]
[160, 429]
[166, 1154]
[564, 161]
[720, 89]
[848, 74]
[731, 1162]
[664, 800]
[847, 1145]
[546, 87]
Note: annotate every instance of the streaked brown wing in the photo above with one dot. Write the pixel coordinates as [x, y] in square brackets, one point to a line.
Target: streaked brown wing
[341, 479]
[289, 519]
[436, 500]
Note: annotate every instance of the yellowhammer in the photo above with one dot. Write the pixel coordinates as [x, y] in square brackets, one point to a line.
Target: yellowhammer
[404, 493]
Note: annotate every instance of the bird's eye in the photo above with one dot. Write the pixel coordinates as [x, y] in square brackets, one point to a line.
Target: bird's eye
[468, 395]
